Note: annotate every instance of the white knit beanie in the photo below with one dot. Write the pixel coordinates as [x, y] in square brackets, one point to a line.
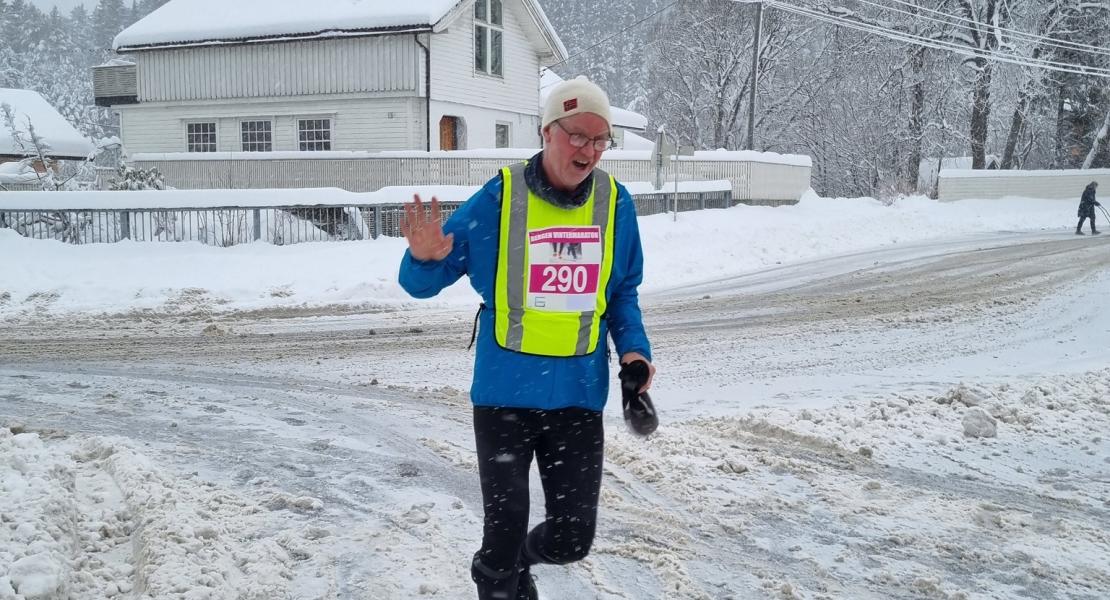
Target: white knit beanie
[574, 96]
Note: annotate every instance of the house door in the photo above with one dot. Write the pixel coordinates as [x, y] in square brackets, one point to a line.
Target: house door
[449, 133]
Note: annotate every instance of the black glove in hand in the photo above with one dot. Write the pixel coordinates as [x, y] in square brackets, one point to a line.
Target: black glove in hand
[639, 412]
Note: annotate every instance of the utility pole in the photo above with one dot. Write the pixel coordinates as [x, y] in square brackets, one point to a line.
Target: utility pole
[661, 152]
[755, 74]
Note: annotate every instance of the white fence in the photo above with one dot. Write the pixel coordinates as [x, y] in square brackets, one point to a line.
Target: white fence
[754, 180]
[1064, 184]
[20, 187]
[230, 217]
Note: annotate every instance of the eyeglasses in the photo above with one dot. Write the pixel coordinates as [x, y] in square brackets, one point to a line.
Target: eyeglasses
[579, 140]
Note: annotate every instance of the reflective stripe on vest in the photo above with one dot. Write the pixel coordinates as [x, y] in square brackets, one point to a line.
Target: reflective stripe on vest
[527, 329]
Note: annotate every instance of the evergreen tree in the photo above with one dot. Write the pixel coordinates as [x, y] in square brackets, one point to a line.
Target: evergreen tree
[109, 18]
[81, 31]
[8, 67]
[607, 42]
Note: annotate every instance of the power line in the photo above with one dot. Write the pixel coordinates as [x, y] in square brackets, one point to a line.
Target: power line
[906, 37]
[978, 26]
[1030, 36]
[939, 44]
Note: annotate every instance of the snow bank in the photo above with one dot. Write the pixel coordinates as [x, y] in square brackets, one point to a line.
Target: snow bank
[888, 494]
[37, 519]
[52, 278]
[93, 518]
[710, 244]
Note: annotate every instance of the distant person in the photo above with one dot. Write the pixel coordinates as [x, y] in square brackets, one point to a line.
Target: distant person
[1087, 208]
[541, 369]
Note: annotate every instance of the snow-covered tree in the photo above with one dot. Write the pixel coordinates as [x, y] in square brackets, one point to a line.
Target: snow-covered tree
[108, 19]
[609, 43]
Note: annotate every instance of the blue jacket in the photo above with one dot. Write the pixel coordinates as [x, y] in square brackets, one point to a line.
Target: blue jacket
[512, 379]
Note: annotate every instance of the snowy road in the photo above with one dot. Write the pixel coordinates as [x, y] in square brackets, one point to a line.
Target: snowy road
[813, 442]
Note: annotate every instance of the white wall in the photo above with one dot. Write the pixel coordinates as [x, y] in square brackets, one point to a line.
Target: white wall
[330, 66]
[1063, 184]
[753, 180]
[456, 83]
[375, 123]
[479, 126]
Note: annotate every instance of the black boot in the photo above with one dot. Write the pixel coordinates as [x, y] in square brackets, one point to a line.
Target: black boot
[493, 584]
[526, 588]
[1079, 232]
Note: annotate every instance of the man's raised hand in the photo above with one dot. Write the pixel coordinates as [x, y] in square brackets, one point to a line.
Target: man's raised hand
[424, 232]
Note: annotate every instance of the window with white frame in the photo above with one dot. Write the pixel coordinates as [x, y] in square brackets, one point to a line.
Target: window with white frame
[200, 137]
[257, 136]
[314, 134]
[488, 34]
[501, 135]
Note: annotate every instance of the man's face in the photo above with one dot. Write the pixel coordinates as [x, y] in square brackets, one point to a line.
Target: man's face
[566, 166]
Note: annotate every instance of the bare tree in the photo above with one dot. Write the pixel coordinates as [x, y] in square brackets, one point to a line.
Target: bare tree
[702, 69]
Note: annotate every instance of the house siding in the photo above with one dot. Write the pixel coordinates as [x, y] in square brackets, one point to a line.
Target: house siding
[455, 80]
[382, 123]
[479, 126]
[480, 100]
[333, 66]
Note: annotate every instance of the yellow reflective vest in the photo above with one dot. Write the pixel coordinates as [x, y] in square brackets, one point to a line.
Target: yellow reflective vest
[553, 267]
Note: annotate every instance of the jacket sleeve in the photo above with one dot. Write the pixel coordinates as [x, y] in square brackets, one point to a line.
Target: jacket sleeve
[626, 324]
[426, 278]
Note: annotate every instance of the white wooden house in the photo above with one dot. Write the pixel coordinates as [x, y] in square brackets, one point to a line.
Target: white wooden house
[330, 75]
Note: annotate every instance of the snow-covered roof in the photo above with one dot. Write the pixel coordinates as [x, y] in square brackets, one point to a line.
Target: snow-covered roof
[621, 117]
[64, 140]
[16, 172]
[118, 62]
[197, 21]
[210, 22]
[636, 142]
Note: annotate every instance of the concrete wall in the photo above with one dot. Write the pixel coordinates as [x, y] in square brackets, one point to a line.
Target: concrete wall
[753, 182]
[1063, 184]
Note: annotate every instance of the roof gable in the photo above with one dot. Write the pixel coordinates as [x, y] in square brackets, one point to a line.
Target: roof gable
[64, 140]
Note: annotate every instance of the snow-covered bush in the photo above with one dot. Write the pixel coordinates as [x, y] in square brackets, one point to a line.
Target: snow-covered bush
[130, 178]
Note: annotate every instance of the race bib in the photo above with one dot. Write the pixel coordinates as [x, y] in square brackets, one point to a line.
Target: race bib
[564, 268]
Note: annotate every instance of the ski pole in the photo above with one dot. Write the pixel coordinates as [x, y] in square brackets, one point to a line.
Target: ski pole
[1100, 207]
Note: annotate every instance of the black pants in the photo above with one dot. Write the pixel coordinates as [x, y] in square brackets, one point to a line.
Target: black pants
[1090, 216]
[569, 448]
